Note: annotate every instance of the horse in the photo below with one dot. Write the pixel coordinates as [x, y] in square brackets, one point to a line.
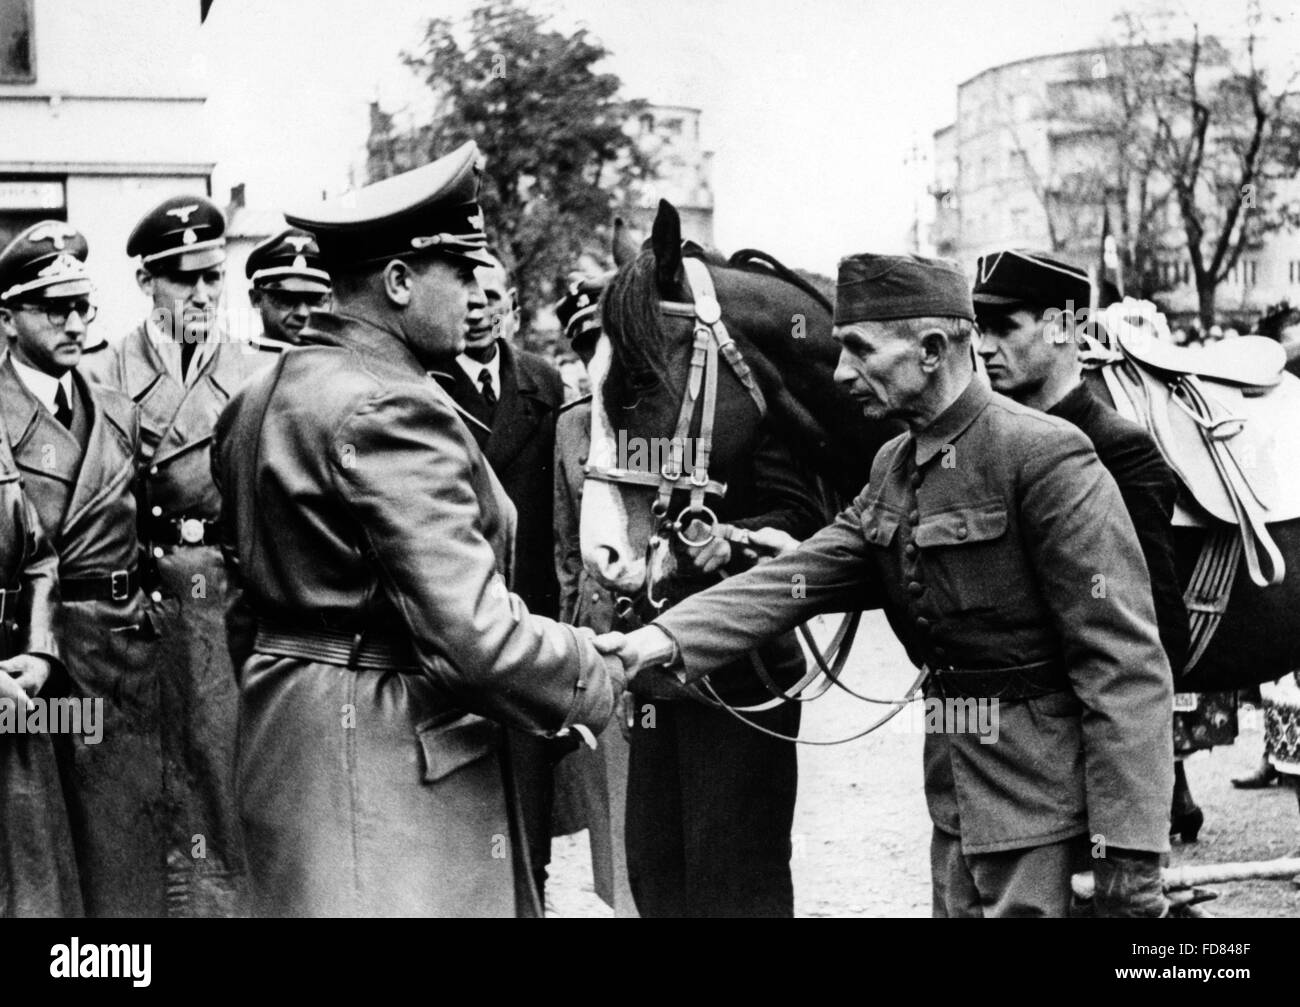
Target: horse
[695, 424]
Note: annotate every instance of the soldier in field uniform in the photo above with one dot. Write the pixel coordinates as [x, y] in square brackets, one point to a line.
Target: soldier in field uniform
[1001, 551]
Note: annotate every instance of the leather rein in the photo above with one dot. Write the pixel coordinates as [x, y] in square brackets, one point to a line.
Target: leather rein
[711, 342]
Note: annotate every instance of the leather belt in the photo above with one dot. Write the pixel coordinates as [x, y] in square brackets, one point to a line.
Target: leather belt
[116, 586]
[1026, 681]
[359, 651]
[179, 531]
[8, 597]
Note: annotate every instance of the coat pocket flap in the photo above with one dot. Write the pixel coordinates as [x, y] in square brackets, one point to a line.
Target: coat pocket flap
[879, 524]
[979, 523]
[448, 747]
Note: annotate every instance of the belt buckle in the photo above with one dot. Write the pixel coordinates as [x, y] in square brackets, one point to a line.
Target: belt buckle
[119, 585]
[191, 531]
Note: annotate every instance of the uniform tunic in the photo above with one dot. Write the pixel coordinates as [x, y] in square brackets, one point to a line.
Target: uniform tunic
[186, 587]
[994, 539]
[81, 482]
[356, 501]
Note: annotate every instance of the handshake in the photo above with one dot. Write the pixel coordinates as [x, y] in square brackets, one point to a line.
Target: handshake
[626, 654]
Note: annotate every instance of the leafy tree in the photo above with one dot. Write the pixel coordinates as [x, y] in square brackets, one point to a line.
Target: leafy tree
[558, 157]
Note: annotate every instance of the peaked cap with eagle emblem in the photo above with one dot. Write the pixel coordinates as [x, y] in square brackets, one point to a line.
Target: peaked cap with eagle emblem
[183, 234]
[428, 210]
[47, 260]
[290, 260]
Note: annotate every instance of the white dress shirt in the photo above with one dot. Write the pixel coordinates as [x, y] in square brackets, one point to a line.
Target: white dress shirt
[42, 385]
[473, 368]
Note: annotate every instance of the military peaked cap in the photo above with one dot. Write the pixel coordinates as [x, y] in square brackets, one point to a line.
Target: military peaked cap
[46, 260]
[290, 260]
[430, 210]
[183, 233]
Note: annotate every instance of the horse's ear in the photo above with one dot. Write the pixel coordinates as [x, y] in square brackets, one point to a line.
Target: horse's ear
[625, 246]
[666, 240]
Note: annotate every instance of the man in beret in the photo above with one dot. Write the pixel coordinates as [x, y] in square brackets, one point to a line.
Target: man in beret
[75, 444]
[373, 546]
[181, 369]
[999, 548]
[1032, 314]
[515, 394]
[288, 282]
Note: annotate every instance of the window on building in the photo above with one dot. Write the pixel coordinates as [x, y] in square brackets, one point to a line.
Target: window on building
[1294, 272]
[647, 122]
[17, 47]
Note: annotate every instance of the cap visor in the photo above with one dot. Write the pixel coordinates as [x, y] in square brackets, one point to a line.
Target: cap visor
[478, 256]
[996, 300]
[192, 262]
[295, 284]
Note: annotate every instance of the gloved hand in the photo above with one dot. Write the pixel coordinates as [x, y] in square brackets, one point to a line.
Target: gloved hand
[1129, 885]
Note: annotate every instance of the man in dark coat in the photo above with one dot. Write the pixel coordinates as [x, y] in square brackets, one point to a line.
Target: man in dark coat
[1000, 549]
[38, 869]
[1028, 307]
[180, 367]
[515, 395]
[372, 544]
[76, 445]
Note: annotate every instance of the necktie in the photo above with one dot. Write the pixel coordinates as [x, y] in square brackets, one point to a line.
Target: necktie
[489, 393]
[187, 354]
[62, 407]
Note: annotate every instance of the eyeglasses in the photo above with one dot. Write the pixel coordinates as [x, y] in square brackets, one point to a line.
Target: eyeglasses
[288, 299]
[58, 312]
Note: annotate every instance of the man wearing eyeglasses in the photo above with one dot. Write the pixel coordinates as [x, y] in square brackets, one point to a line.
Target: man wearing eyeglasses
[289, 282]
[75, 445]
[181, 369]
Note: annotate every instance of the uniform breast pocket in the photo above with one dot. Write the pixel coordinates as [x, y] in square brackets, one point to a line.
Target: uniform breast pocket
[968, 556]
[880, 522]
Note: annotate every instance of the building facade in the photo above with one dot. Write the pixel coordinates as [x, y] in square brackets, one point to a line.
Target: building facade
[1021, 166]
[670, 135]
[101, 117]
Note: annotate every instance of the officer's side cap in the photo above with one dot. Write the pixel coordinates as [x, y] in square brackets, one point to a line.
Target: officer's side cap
[1007, 279]
[433, 209]
[877, 288]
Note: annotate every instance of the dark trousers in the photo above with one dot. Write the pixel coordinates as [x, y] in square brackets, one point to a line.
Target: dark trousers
[1034, 881]
[710, 804]
[532, 768]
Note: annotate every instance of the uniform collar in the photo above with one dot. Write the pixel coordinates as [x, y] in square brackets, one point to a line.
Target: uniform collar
[42, 385]
[1075, 403]
[360, 335]
[952, 422]
[169, 352]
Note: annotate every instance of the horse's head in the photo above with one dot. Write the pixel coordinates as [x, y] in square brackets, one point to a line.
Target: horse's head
[640, 375]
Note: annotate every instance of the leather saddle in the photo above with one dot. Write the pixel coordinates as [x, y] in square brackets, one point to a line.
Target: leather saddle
[1227, 420]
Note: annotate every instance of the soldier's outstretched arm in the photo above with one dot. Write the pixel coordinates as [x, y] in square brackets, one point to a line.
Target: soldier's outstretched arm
[1092, 573]
[402, 465]
[830, 572]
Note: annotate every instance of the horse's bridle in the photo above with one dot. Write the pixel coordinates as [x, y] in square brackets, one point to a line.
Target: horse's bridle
[711, 341]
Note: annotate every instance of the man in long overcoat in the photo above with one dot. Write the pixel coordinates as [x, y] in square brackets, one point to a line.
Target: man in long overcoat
[372, 545]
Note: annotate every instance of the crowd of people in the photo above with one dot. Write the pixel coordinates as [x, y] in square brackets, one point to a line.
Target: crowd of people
[323, 590]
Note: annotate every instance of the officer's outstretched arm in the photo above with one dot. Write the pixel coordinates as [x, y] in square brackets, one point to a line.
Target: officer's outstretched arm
[402, 463]
[830, 572]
